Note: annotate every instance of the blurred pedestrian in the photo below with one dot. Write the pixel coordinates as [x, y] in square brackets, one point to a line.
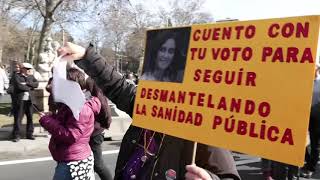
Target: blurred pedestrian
[53, 106]
[284, 171]
[312, 155]
[4, 81]
[10, 90]
[131, 78]
[69, 142]
[102, 122]
[266, 166]
[24, 83]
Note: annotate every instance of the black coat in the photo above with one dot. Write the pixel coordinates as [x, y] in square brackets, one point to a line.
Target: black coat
[174, 153]
[22, 83]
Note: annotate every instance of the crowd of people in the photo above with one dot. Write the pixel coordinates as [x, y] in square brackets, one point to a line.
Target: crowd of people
[144, 154]
[75, 144]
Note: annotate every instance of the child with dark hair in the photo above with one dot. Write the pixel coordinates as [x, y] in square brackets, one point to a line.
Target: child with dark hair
[69, 143]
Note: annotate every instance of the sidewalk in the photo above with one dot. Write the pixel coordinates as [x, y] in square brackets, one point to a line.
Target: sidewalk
[25, 147]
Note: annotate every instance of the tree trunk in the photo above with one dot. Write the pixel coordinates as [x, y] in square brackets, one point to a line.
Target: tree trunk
[30, 53]
[1, 50]
[30, 50]
[2, 29]
[45, 32]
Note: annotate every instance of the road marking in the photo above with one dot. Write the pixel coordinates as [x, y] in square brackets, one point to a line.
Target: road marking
[238, 163]
[110, 152]
[248, 161]
[3, 163]
[25, 161]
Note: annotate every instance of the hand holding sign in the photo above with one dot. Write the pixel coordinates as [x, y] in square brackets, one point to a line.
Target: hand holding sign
[45, 114]
[195, 172]
[71, 52]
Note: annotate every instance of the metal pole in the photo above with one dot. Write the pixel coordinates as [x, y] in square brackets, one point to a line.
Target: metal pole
[63, 39]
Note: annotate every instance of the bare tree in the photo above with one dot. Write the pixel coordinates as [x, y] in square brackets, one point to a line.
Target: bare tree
[30, 54]
[142, 19]
[5, 7]
[16, 43]
[184, 12]
[116, 23]
[47, 9]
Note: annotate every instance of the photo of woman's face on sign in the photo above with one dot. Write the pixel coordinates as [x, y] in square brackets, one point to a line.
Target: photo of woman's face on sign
[166, 53]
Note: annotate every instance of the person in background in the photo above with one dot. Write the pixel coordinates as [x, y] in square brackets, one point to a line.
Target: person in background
[312, 156]
[131, 78]
[266, 167]
[284, 171]
[24, 83]
[51, 104]
[69, 142]
[4, 81]
[102, 122]
[136, 78]
[10, 90]
[146, 154]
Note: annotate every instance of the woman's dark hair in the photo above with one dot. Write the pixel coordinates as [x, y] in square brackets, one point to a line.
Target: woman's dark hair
[155, 39]
[76, 75]
[104, 117]
[155, 44]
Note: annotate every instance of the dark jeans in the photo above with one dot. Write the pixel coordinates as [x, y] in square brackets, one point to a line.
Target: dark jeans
[312, 156]
[23, 107]
[62, 172]
[99, 166]
[13, 104]
[282, 171]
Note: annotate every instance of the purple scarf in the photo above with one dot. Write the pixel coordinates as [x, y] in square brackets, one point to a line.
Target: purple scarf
[139, 159]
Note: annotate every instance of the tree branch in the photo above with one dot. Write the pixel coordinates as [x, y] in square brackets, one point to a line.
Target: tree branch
[23, 16]
[39, 7]
[57, 5]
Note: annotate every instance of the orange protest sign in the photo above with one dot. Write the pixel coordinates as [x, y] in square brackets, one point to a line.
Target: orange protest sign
[245, 86]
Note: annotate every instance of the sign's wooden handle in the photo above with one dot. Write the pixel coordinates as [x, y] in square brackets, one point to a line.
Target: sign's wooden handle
[194, 152]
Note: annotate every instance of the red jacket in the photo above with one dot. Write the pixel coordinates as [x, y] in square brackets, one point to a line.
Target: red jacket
[70, 137]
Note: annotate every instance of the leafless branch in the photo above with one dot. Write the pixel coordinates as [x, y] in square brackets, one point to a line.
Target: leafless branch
[39, 7]
[57, 5]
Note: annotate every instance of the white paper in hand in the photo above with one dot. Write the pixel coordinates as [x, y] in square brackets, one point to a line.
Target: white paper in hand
[66, 91]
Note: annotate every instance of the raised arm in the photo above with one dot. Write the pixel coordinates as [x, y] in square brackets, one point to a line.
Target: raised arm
[112, 83]
[19, 85]
[32, 82]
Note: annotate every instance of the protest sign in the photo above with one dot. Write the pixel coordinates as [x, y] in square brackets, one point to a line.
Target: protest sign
[245, 86]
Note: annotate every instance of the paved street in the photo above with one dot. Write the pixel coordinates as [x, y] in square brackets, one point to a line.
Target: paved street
[40, 168]
[31, 160]
[249, 168]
